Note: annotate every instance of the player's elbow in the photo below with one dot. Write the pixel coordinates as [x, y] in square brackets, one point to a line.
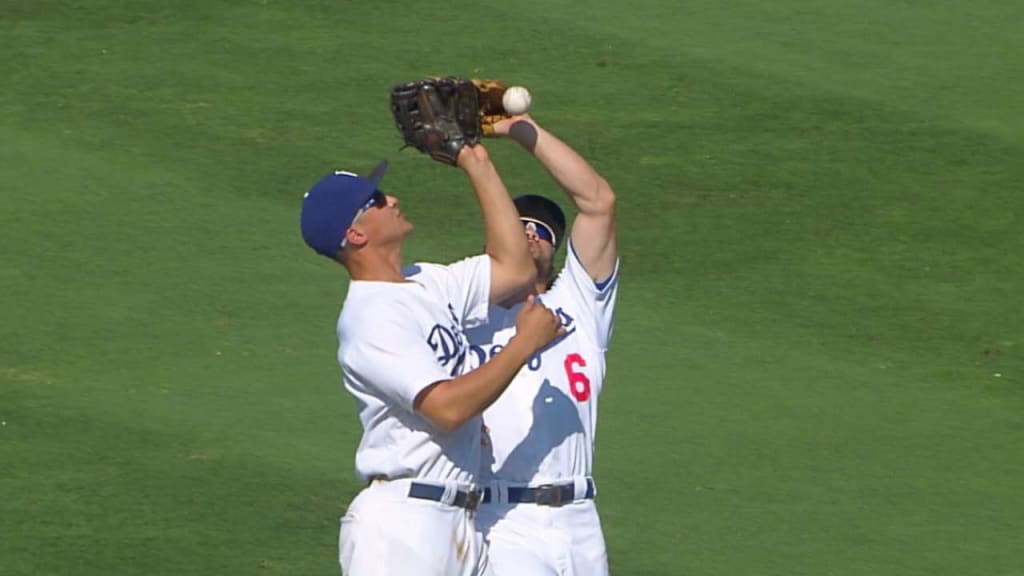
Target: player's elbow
[436, 407]
[599, 203]
[604, 200]
[446, 420]
[447, 424]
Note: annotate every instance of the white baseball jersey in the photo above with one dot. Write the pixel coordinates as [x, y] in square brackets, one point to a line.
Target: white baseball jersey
[395, 339]
[542, 428]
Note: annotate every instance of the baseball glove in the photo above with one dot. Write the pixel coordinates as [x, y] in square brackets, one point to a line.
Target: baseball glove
[489, 93]
[437, 116]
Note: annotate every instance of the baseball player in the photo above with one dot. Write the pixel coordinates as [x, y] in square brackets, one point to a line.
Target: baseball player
[538, 512]
[403, 350]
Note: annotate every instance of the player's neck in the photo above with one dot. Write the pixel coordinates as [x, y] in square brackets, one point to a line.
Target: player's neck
[376, 265]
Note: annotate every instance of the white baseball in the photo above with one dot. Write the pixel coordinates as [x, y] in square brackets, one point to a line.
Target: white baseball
[516, 100]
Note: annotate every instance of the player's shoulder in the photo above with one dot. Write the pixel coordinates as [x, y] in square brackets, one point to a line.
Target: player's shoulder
[369, 303]
[429, 275]
[419, 269]
[432, 273]
[574, 272]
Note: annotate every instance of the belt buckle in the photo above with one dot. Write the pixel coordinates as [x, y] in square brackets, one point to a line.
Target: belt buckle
[473, 498]
[548, 495]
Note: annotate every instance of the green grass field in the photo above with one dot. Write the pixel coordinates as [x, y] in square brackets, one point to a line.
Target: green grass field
[818, 364]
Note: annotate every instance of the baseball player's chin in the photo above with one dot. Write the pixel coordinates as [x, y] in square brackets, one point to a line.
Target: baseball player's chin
[543, 261]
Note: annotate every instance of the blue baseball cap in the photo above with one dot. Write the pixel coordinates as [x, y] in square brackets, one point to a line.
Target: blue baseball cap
[332, 205]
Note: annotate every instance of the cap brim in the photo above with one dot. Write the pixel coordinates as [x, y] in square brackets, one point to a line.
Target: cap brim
[378, 172]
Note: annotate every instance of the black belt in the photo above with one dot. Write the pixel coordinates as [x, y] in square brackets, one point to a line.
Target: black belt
[468, 499]
[554, 495]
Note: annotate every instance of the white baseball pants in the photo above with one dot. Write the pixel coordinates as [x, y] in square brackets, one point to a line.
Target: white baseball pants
[386, 533]
[534, 540]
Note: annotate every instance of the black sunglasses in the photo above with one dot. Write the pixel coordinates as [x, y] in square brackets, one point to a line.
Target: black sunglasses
[377, 200]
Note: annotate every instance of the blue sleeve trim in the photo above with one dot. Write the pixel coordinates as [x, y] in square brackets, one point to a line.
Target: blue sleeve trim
[600, 286]
[604, 283]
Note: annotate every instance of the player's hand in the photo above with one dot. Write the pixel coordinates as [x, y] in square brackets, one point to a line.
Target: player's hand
[471, 156]
[521, 128]
[537, 325]
[504, 126]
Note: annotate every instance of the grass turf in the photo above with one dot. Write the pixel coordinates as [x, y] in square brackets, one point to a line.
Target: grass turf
[816, 367]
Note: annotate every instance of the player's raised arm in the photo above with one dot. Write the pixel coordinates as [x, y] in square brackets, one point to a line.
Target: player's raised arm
[593, 230]
[512, 269]
[450, 403]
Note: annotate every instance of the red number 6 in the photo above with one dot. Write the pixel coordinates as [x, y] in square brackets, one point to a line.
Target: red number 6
[579, 384]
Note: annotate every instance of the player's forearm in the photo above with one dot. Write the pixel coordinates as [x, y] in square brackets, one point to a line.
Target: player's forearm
[589, 192]
[503, 230]
[452, 403]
